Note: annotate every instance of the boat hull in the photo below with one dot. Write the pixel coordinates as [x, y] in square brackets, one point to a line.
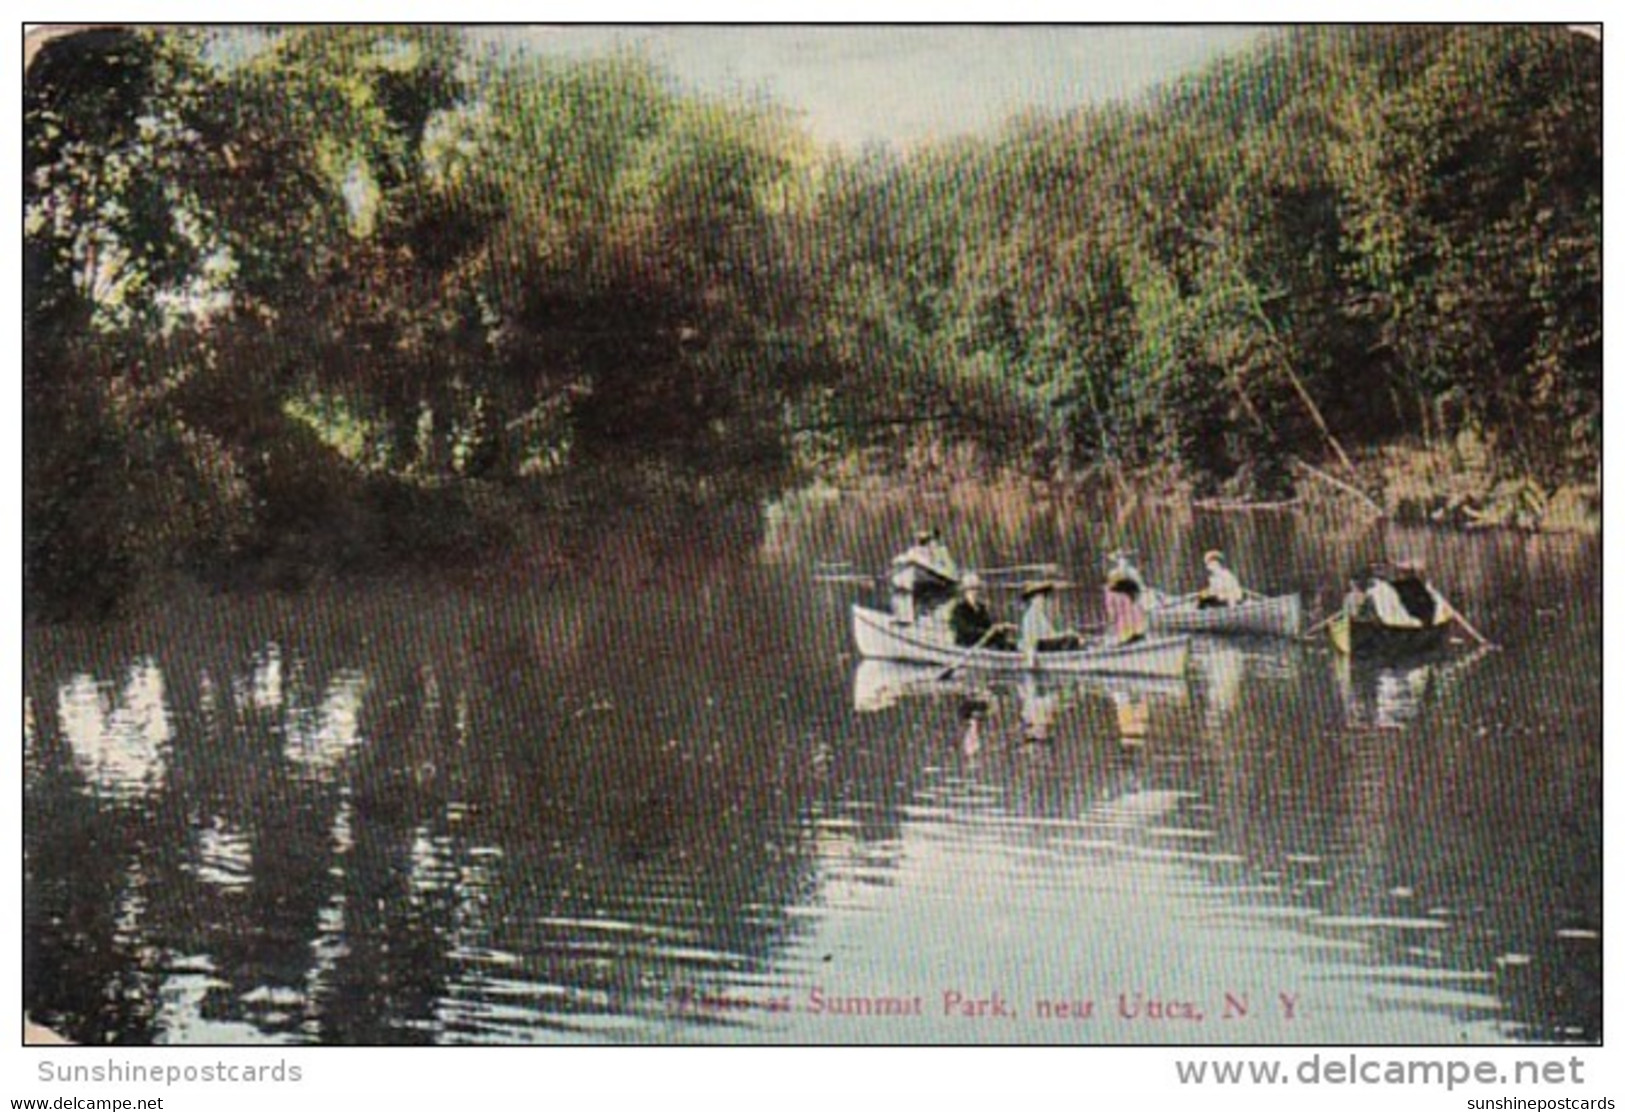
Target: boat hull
[1278, 616]
[1368, 639]
[880, 636]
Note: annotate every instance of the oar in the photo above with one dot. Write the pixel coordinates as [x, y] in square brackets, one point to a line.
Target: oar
[1320, 625]
[964, 656]
[843, 577]
[1019, 569]
[1465, 624]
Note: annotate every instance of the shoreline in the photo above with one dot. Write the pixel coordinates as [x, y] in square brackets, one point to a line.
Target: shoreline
[550, 529]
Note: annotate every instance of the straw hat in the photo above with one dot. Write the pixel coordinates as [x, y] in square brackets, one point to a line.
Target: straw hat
[971, 582]
[1039, 587]
[1213, 556]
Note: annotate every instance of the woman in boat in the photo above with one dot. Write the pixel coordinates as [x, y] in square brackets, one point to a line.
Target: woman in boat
[1416, 594]
[1223, 588]
[1125, 611]
[1399, 597]
[1038, 632]
[971, 619]
[1122, 569]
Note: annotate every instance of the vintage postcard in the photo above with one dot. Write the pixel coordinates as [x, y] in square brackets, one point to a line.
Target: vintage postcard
[815, 535]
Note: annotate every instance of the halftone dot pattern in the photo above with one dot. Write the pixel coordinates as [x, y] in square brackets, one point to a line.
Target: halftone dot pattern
[458, 461]
[407, 811]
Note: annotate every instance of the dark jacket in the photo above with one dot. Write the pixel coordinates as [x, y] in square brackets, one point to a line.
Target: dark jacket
[971, 621]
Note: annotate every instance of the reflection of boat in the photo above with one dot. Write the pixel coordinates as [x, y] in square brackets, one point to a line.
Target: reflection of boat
[1382, 697]
[881, 636]
[1358, 636]
[879, 684]
[1280, 615]
[1223, 665]
[1388, 695]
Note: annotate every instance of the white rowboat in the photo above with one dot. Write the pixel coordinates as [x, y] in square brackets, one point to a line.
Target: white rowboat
[1280, 616]
[882, 636]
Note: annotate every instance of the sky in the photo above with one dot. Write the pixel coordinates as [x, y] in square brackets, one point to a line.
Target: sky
[906, 84]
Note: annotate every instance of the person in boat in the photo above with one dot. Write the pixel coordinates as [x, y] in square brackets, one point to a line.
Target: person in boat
[1038, 631]
[1400, 597]
[1416, 594]
[941, 559]
[1223, 588]
[924, 577]
[1354, 599]
[971, 619]
[1121, 568]
[1125, 601]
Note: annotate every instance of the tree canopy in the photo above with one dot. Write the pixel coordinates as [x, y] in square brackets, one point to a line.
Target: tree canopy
[298, 289]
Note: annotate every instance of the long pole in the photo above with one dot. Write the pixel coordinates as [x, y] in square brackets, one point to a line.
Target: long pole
[1320, 625]
[964, 656]
[1017, 569]
[1450, 607]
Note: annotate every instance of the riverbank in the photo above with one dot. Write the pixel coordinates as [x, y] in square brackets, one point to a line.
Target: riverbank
[1459, 486]
[543, 530]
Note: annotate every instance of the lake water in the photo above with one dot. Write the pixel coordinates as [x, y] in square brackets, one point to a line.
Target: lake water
[663, 802]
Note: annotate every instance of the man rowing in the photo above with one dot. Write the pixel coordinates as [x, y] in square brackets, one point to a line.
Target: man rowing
[971, 619]
[1223, 588]
[1038, 631]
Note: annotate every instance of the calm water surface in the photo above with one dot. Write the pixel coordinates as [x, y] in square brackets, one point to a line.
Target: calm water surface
[664, 803]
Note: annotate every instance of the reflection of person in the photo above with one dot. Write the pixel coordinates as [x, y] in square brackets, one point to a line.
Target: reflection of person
[1223, 588]
[973, 712]
[1038, 632]
[1133, 717]
[971, 618]
[1038, 711]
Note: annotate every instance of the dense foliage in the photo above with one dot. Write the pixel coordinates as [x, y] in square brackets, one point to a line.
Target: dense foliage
[321, 297]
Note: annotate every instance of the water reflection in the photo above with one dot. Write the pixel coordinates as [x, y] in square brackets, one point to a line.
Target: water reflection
[1228, 667]
[448, 820]
[1393, 695]
[1039, 705]
[118, 732]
